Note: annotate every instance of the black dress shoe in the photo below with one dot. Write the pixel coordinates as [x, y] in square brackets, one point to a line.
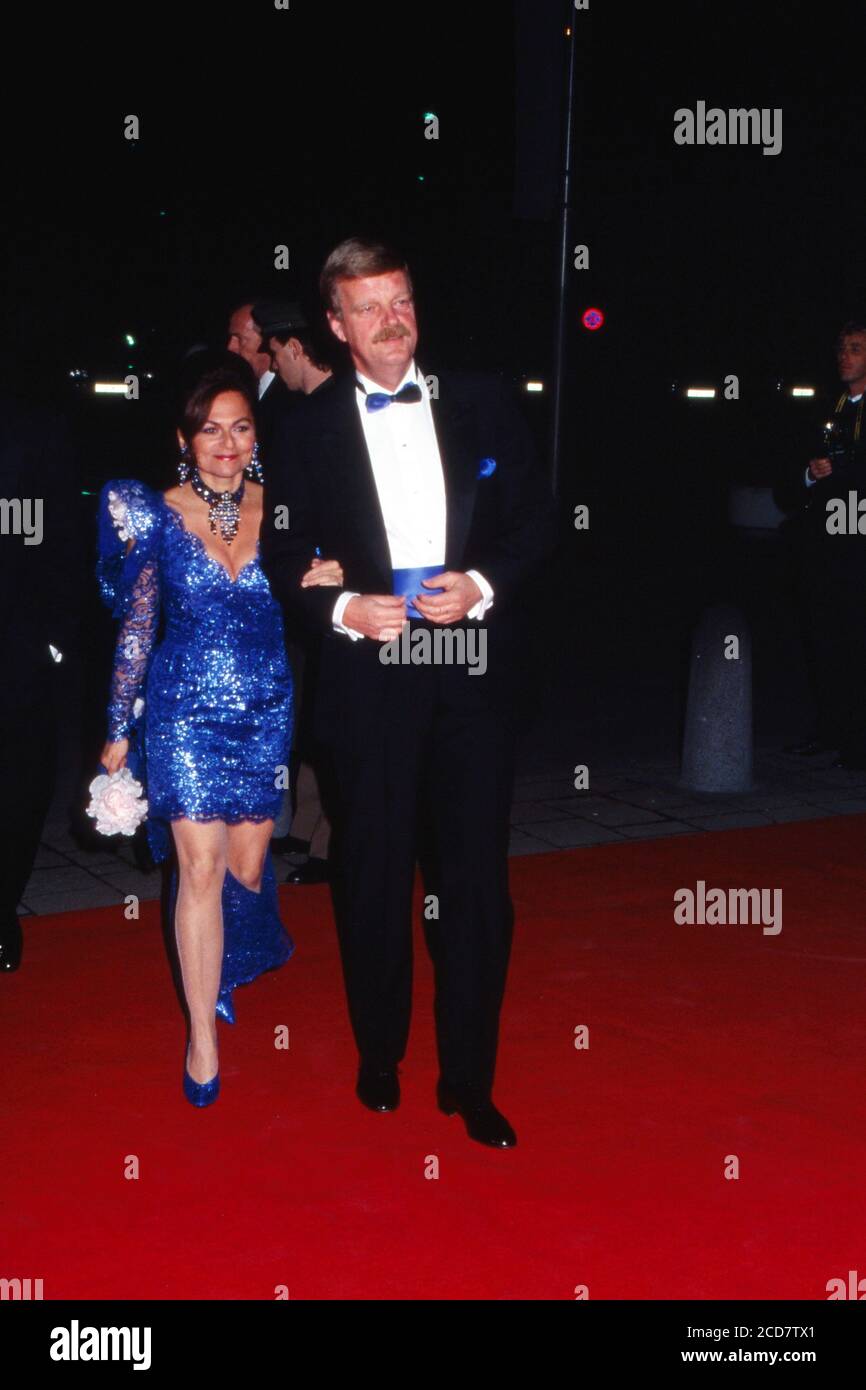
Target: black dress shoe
[483, 1121]
[289, 844]
[11, 946]
[314, 871]
[378, 1088]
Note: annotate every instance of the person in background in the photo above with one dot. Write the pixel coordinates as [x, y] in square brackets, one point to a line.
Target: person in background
[245, 339]
[303, 358]
[299, 352]
[42, 557]
[830, 568]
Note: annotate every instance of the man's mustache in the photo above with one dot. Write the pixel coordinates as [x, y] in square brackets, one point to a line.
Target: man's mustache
[385, 334]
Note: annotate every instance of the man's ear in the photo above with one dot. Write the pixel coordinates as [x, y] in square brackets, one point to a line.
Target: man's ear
[336, 324]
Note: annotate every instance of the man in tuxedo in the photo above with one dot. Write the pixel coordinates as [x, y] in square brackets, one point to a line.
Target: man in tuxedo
[245, 339]
[400, 476]
[42, 555]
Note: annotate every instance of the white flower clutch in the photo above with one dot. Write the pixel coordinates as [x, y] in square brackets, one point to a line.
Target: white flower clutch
[117, 804]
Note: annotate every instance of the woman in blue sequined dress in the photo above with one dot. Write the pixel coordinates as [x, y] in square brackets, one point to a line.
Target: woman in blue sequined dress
[201, 698]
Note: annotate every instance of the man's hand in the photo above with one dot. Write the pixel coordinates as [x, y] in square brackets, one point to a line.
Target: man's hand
[461, 594]
[380, 616]
[820, 468]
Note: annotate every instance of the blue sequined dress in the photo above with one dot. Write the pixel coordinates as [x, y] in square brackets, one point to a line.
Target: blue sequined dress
[202, 689]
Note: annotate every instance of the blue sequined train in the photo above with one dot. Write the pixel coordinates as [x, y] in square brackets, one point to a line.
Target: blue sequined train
[202, 689]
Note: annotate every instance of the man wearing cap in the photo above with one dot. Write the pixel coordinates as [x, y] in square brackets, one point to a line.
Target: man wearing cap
[417, 489]
[298, 356]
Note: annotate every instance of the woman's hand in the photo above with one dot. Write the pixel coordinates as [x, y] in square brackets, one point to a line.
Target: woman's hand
[324, 572]
[113, 755]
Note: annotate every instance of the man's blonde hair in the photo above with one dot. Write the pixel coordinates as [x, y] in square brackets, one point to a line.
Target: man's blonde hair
[357, 259]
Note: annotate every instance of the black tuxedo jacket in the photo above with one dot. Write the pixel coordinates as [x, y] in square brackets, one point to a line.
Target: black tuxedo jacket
[831, 559]
[277, 402]
[501, 525]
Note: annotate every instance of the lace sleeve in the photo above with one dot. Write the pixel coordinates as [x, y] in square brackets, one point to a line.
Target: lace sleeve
[128, 573]
[135, 642]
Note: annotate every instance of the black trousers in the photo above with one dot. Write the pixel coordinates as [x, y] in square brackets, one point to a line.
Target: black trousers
[431, 779]
[28, 761]
[830, 574]
[836, 638]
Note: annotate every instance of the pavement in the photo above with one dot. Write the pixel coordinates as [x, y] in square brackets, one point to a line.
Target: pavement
[638, 798]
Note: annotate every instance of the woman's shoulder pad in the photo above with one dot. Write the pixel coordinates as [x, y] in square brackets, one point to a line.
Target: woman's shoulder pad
[134, 508]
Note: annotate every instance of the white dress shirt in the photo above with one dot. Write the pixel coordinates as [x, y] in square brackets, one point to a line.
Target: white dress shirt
[407, 469]
[264, 382]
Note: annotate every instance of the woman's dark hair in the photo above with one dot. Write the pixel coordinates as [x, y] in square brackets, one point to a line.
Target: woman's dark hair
[205, 376]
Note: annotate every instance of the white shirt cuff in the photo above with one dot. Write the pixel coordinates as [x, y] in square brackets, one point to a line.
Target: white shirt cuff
[337, 616]
[810, 481]
[486, 600]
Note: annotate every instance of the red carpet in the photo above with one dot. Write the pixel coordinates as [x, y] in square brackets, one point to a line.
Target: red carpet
[705, 1041]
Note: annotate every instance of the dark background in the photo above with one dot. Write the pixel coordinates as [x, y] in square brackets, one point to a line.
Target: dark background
[261, 127]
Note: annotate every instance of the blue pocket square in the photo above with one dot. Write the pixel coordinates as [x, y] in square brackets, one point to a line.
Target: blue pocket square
[486, 467]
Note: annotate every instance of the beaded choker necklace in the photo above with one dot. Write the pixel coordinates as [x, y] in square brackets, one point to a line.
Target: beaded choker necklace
[225, 507]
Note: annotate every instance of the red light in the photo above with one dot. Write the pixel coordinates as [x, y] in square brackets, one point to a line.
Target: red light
[592, 319]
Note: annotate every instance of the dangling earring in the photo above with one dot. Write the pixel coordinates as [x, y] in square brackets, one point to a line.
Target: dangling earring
[253, 470]
[184, 465]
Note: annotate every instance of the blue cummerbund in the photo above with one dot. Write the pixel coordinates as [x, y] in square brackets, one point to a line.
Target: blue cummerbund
[408, 583]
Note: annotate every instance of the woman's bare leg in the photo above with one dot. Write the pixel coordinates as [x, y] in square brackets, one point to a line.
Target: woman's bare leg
[247, 845]
[201, 854]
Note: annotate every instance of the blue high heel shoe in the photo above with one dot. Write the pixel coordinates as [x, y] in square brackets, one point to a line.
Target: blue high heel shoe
[200, 1093]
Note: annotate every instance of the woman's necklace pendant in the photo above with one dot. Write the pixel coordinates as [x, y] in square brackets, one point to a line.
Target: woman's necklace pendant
[224, 508]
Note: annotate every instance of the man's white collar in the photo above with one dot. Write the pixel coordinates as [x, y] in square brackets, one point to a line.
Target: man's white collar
[411, 378]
